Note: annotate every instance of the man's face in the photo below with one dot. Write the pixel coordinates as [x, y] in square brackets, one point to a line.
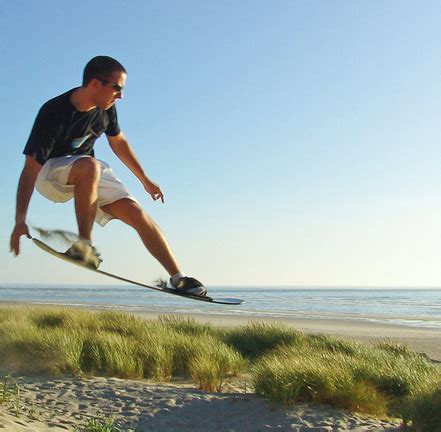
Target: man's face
[109, 91]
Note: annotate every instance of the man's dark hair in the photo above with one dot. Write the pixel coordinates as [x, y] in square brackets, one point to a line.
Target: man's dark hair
[101, 67]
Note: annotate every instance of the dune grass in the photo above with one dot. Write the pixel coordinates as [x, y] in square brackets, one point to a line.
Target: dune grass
[424, 410]
[115, 344]
[10, 394]
[372, 380]
[283, 364]
[256, 338]
[102, 424]
[383, 379]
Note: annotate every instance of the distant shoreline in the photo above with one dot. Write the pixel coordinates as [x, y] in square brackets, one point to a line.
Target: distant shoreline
[422, 340]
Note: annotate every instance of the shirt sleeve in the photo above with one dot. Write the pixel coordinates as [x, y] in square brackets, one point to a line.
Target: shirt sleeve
[42, 138]
[113, 128]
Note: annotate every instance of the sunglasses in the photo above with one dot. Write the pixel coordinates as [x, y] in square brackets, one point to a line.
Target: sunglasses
[115, 86]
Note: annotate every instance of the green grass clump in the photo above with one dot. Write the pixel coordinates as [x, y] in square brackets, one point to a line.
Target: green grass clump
[424, 411]
[395, 348]
[335, 345]
[186, 325]
[215, 362]
[111, 354]
[27, 348]
[306, 374]
[49, 319]
[154, 360]
[10, 394]
[46, 340]
[206, 359]
[10, 313]
[8, 389]
[120, 323]
[102, 424]
[358, 377]
[256, 339]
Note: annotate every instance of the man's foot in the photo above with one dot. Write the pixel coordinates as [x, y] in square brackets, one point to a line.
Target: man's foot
[83, 251]
[190, 285]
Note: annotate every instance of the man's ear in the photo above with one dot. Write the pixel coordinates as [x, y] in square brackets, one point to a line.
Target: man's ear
[94, 84]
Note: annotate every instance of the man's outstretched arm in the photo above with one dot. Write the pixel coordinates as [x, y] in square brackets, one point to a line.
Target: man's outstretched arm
[25, 189]
[125, 153]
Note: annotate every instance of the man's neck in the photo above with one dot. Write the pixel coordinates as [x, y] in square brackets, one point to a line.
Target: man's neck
[81, 100]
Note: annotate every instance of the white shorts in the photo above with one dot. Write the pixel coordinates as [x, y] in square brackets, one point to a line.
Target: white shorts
[52, 184]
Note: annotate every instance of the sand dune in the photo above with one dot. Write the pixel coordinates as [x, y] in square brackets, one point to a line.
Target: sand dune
[65, 403]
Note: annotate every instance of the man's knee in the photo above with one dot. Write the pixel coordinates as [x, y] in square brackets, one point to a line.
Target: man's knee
[85, 168]
[136, 214]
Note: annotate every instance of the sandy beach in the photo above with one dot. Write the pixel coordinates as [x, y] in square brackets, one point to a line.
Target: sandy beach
[65, 403]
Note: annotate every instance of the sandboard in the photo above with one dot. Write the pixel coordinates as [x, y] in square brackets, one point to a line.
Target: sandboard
[226, 301]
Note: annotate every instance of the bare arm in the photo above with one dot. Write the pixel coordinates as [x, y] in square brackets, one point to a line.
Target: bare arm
[125, 153]
[25, 189]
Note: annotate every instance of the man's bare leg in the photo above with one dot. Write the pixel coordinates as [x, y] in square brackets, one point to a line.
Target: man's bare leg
[133, 215]
[85, 175]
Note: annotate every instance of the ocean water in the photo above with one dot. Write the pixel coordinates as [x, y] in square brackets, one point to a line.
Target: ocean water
[407, 307]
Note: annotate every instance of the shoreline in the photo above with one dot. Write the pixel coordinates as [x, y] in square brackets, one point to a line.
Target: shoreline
[426, 341]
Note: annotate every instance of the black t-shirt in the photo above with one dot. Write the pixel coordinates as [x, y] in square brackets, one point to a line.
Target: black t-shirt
[61, 130]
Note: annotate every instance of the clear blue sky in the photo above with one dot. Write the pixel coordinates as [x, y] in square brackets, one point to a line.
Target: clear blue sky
[296, 142]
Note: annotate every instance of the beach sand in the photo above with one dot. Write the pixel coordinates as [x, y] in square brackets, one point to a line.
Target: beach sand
[65, 403]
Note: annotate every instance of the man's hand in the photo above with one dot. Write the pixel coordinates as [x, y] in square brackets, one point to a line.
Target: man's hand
[19, 230]
[25, 188]
[154, 190]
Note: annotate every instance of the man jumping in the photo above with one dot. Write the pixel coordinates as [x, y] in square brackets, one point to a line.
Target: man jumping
[60, 163]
